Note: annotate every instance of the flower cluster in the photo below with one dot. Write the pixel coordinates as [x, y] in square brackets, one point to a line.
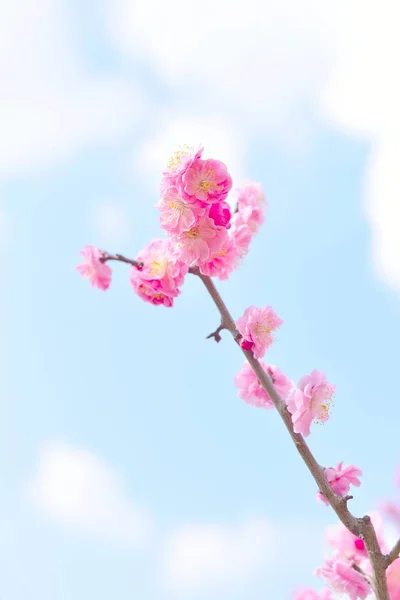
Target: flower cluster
[193, 208]
[158, 278]
[200, 228]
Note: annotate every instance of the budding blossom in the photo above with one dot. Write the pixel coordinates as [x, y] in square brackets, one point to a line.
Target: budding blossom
[98, 273]
[161, 275]
[309, 594]
[340, 479]
[342, 578]
[250, 389]
[310, 402]
[256, 327]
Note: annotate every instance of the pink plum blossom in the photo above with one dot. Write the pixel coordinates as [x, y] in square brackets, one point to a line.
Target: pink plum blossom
[309, 594]
[222, 263]
[351, 548]
[198, 244]
[393, 580]
[241, 236]
[342, 578]
[348, 546]
[206, 180]
[220, 213]
[310, 401]
[251, 206]
[256, 327]
[250, 389]
[340, 479]
[98, 273]
[176, 215]
[181, 161]
[161, 275]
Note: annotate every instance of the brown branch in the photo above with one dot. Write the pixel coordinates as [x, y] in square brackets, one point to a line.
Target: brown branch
[106, 256]
[393, 554]
[130, 261]
[216, 334]
[360, 527]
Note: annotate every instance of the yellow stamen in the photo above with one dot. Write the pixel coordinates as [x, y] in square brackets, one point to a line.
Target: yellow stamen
[192, 233]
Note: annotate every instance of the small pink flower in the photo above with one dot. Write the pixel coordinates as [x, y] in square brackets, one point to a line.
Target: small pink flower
[351, 548]
[340, 479]
[309, 594]
[93, 269]
[311, 401]
[182, 159]
[250, 389]
[257, 326]
[176, 215]
[161, 276]
[196, 245]
[348, 546]
[251, 206]
[241, 236]
[393, 580]
[222, 263]
[220, 213]
[206, 180]
[342, 578]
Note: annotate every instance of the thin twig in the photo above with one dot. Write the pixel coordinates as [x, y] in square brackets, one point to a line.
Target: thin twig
[393, 554]
[130, 261]
[216, 334]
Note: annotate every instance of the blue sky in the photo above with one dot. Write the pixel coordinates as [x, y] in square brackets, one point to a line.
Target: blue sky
[130, 399]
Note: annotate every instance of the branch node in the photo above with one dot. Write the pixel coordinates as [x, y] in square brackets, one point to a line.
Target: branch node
[216, 334]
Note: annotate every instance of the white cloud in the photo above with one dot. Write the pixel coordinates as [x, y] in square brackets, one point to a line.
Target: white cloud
[203, 556]
[73, 486]
[220, 140]
[260, 62]
[363, 97]
[112, 223]
[50, 105]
